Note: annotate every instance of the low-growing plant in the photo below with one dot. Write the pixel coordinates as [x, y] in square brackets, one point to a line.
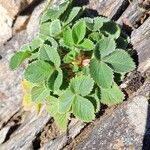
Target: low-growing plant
[74, 64]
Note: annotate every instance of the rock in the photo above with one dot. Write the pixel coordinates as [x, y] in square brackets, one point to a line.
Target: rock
[10, 87]
[140, 40]
[26, 135]
[3, 133]
[109, 8]
[132, 14]
[5, 25]
[124, 129]
[15, 6]
[21, 23]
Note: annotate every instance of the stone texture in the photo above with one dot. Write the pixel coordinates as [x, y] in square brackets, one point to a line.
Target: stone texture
[15, 6]
[140, 40]
[5, 25]
[10, 88]
[124, 129]
[27, 133]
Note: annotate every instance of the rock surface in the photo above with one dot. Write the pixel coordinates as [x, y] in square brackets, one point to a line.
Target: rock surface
[124, 129]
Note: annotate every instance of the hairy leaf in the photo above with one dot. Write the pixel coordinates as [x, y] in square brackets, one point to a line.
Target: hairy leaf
[55, 80]
[105, 46]
[61, 120]
[79, 31]
[111, 96]
[36, 43]
[65, 101]
[55, 28]
[38, 71]
[82, 85]
[69, 57]
[86, 45]
[98, 23]
[74, 12]
[52, 108]
[83, 109]
[67, 37]
[96, 36]
[120, 61]
[50, 54]
[45, 28]
[52, 105]
[101, 73]
[18, 58]
[54, 13]
[39, 94]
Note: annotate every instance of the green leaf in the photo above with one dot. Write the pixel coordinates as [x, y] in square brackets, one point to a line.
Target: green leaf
[82, 85]
[65, 101]
[86, 45]
[39, 93]
[45, 28]
[48, 40]
[105, 46]
[25, 47]
[61, 120]
[83, 109]
[79, 31]
[49, 54]
[54, 13]
[55, 28]
[89, 22]
[111, 29]
[98, 23]
[67, 37]
[52, 105]
[74, 12]
[95, 101]
[55, 80]
[120, 61]
[38, 71]
[36, 43]
[52, 108]
[96, 36]
[101, 73]
[17, 59]
[69, 57]
[111, 96]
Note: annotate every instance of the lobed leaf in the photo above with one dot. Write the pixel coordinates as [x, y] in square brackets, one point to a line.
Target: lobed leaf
[55, 80]
[120, 61]
[67, 37]
[55, 28]
[86, 45]
[79, 31]
[111, 96]
[74, 12]
[66, 100]
[39, 94]
[17, 59]
[82, 85]
[49, 54]
[105, 46]
[38, 71]
[83, 109]
[101, 73]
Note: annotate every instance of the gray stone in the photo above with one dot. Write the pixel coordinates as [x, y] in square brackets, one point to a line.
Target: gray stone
[10, 88]
[25, 136]
[5, 25]
[124, 129]
[4, 133]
